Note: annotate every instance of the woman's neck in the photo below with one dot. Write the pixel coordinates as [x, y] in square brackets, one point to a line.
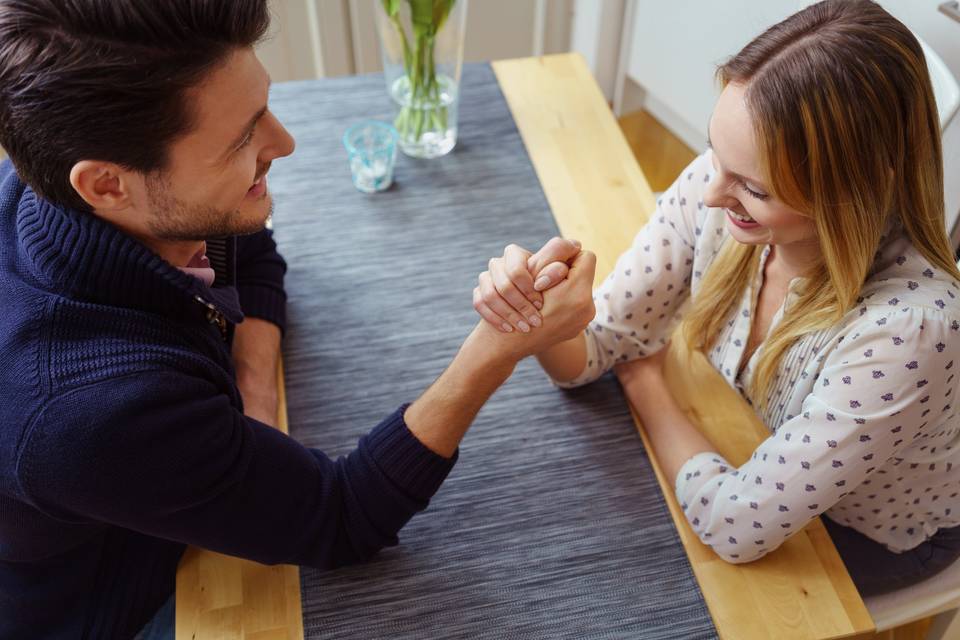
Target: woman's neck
[794, 260]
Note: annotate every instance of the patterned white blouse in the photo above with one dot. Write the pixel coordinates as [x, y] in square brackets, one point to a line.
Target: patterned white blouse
[861, 416]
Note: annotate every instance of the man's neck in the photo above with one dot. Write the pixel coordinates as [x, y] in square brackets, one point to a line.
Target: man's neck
[177, 253]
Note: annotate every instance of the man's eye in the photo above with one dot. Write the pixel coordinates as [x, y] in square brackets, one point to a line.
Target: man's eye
[246, 140]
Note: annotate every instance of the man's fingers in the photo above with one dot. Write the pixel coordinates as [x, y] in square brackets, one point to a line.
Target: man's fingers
[551, 275]
[556, 250]
[583, 268]
[515, 264]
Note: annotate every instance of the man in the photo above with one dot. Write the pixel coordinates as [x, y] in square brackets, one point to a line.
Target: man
[141, 309]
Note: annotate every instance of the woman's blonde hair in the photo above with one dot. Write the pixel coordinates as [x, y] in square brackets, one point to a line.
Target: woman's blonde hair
[842, 105]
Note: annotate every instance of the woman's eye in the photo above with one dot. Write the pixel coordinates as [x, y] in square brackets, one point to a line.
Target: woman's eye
[755, 194]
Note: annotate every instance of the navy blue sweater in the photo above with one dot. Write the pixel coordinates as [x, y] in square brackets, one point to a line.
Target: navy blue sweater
[122, 434]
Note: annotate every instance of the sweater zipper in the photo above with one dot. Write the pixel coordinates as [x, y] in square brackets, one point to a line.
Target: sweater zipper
[214, 316]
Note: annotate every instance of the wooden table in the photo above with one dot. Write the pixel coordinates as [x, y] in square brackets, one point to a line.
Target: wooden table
[598, 195]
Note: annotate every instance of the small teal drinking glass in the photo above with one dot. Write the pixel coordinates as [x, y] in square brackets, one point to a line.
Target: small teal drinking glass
[372, 148]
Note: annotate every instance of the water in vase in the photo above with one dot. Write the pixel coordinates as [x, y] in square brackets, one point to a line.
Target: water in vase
[427, 122]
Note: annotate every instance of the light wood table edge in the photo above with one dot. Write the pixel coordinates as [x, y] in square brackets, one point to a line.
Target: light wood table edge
[573, 224]
[254, 601]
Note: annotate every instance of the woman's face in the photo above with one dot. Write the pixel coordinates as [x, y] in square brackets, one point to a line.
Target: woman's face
[753, 215]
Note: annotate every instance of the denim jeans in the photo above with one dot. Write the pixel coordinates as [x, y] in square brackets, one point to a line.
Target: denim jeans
[876, 570]
[161, 626]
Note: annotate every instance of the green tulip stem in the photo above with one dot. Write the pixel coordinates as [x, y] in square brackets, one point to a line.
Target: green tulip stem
[423, 110]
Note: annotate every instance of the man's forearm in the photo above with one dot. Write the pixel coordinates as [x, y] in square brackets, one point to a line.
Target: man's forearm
[441, 416]
[256, 353]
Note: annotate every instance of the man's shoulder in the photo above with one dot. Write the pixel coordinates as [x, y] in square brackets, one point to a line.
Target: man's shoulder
[88, 342]
[53, 347]
[11, 186]
[88, 432]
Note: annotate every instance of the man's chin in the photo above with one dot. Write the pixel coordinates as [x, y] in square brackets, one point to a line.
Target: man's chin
[253, 219]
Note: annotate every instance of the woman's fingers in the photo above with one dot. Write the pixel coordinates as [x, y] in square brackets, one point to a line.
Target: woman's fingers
[511, 294]
[551, 275]
[489, 315]
[492, 299]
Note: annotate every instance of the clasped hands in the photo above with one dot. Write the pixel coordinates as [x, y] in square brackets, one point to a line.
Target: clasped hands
[546, 298]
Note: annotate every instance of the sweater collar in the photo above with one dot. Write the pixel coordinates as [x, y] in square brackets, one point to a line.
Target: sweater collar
[84, 257]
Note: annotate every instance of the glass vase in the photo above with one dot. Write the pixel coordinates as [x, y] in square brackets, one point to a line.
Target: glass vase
[421, 42]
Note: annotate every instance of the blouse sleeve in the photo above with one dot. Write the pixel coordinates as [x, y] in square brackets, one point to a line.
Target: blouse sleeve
[872, 398]
[637, 305]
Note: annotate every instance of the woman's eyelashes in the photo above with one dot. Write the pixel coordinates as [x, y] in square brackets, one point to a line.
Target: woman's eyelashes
[755, 194]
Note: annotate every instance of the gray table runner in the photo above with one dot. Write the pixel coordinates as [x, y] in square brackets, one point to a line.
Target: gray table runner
[552, 524]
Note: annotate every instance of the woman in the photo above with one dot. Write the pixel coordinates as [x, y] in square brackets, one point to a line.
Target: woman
[810, 241]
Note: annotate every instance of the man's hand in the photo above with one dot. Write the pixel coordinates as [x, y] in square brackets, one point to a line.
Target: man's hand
[441, 416]
[256, 353]
[567, 309]
[510, 293]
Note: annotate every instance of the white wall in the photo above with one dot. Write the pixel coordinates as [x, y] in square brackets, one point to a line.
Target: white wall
[320, 38]
[940, 32]
[595, 34]
[672, 51]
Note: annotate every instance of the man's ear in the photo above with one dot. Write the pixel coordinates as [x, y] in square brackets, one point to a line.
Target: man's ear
[105, 186]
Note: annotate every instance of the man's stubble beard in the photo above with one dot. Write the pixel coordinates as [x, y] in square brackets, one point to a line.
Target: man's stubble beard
[172, 219]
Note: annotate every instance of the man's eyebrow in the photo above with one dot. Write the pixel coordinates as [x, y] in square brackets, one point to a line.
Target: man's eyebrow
[246, 130]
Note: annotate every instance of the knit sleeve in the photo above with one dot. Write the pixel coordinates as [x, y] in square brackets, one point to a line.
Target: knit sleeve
[166, 455]
[638, 304]
[260, 272]
[879, 382]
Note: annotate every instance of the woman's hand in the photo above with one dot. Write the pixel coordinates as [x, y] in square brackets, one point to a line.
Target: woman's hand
[509, 294]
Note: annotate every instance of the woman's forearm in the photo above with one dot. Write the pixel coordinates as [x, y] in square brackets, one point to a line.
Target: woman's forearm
[565, 361]
[674, 438]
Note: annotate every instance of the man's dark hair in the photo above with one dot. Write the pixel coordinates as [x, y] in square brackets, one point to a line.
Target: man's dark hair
[107, 79]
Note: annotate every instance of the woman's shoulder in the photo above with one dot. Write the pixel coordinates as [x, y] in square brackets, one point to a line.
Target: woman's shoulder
[906, 305]
[903, 278]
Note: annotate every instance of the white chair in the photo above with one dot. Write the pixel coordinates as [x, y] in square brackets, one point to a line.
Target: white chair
[938, 597]
[947, 93]
[945, 88]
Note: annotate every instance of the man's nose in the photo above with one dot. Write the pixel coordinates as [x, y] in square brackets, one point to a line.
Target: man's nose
[282, 143]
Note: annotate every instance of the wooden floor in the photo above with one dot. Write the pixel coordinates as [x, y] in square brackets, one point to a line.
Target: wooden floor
[662, 156]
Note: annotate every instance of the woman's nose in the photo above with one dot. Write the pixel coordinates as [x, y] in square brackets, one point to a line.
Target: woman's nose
[716, 195]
